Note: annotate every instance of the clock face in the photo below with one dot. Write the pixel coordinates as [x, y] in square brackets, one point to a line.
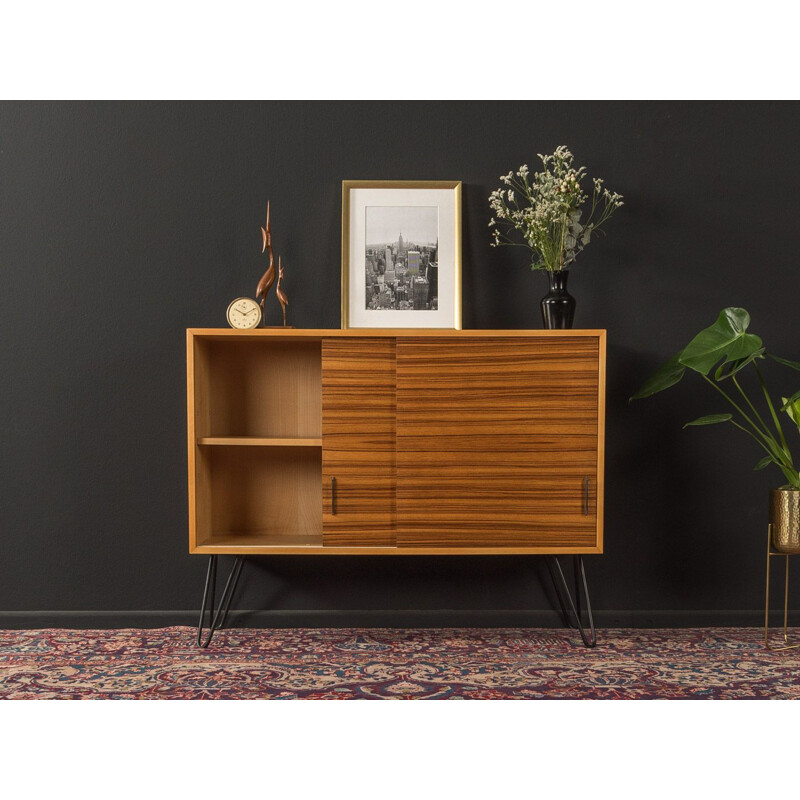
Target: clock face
[244, 313]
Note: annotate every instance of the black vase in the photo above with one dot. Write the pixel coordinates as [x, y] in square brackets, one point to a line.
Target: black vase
[558, 305]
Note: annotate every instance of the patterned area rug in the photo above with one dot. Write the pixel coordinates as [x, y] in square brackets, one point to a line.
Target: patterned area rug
[384, 663]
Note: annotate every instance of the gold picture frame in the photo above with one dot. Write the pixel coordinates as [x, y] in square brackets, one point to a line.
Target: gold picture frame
[383, 199]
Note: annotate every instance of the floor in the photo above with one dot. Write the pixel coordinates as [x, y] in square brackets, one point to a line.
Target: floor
[387, 663]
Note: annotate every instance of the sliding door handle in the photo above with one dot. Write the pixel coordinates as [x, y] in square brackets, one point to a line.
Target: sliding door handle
[585, 497]
[333, 495]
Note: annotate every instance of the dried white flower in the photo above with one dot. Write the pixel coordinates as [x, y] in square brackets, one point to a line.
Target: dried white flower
[547, 208]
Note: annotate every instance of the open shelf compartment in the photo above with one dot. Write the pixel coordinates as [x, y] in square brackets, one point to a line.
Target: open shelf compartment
[259, 496]
[257, 389]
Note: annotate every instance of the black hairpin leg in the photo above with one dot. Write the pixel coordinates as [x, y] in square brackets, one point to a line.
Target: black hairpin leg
[216, 619]
[575, 606]
[564, 617]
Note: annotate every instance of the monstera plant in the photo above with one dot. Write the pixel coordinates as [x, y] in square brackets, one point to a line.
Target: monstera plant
[728, 346]
[719, 354]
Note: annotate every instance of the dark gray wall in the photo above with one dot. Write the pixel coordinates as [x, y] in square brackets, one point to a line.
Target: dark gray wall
[122, 224]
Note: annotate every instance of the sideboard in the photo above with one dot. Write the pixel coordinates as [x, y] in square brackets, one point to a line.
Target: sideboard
[394, 442]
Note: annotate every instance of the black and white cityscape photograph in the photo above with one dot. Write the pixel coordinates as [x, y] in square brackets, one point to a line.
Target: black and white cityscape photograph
[401, 258]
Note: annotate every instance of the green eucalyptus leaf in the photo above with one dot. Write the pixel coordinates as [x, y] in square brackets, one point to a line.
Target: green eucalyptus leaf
[739, 364]
[763, 463]
[667, 375]
[786, 362]
[726, 338]
[711, 419]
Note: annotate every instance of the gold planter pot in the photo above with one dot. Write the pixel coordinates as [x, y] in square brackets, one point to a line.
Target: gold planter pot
[784, 514]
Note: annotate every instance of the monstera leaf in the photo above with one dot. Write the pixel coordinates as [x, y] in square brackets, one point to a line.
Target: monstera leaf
[711, 419]
[666, 376]
[728, 346]
[725, 339]
[786, 362]
[792, 408]
[729, 367]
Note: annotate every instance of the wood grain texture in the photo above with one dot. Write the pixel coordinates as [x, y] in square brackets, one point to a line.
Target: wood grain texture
[601, 437]
[495, 436]
[255, 489]
[308, 334]
[358, 441]
[254, 413]
[258, 441]
[192, 411]
[501, 429]
[270, 543]
[263, 387]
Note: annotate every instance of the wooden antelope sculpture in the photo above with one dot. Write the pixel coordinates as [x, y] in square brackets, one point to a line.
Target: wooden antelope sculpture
[282, 298]
[268, 278]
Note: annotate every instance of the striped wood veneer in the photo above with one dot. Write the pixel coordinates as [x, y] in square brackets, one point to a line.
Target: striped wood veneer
[358, 434]
[494, 440]
[445, 442]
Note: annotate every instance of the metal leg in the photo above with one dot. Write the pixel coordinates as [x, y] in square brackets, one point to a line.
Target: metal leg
[770, 553]
[575, 606]
[216, 619]
[578, 588]
[564, 618]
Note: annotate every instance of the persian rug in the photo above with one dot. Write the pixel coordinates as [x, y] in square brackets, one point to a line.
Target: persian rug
[387, 663]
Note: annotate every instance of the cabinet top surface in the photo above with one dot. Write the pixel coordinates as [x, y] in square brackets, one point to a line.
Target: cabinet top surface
[317, 333]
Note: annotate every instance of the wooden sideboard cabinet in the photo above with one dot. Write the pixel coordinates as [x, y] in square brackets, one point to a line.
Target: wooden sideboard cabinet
[395, 441]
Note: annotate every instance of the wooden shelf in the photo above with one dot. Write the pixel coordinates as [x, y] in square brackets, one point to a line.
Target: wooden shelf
[258, 441]
[266, 542]
[263, 538]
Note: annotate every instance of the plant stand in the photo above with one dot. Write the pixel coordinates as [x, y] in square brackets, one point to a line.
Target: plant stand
[770, 554]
